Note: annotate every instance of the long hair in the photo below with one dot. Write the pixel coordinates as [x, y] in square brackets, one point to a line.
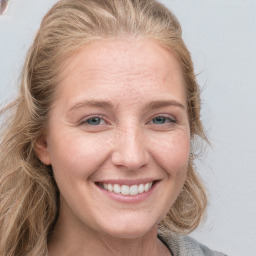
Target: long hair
[28, 193]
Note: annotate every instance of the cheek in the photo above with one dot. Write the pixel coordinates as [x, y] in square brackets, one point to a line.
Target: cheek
[172, 152]
[77, 154]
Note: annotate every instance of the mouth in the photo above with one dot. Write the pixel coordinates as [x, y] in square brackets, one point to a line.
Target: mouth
[127, 190]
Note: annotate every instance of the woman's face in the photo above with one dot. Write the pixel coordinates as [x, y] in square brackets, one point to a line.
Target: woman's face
[118, 137]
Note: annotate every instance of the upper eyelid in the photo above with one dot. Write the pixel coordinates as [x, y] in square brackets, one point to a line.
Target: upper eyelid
[172, 117]
[166, 115]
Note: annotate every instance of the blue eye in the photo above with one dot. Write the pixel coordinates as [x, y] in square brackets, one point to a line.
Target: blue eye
[94, 121]
[162, 120]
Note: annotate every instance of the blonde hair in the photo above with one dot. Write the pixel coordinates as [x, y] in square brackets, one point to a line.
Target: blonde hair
[29, 195]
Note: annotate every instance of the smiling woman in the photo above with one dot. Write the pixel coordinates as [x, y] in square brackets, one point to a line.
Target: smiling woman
[97, 154]
[107, 153]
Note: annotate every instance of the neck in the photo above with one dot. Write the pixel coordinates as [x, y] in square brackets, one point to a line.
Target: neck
[67, 241]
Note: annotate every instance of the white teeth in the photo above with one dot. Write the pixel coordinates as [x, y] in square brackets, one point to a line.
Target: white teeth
[117, 189]
[134, 190]
[147, 187]
[141, 188]
[128, 190]
[110, 187]
[125, 190]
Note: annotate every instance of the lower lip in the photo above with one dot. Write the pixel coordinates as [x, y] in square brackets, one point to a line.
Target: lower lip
[128, 198]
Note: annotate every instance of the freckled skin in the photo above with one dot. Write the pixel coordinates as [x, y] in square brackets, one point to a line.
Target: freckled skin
[128, 145]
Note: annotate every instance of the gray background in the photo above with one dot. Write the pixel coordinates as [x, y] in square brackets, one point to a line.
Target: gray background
[221, 35]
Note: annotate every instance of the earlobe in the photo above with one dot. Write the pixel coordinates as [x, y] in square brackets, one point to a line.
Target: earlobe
[42, 152]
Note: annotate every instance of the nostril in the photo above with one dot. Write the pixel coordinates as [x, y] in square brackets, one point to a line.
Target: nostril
[130, 155]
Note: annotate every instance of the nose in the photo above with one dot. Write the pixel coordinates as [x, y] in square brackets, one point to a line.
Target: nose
[130, 149]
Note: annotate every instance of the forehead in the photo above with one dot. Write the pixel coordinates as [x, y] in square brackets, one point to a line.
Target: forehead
[123, 54]
[123, 65]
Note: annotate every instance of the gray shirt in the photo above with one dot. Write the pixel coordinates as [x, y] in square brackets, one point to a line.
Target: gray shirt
[182, 245]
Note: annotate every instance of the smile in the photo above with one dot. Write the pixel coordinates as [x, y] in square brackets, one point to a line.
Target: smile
[127, 190]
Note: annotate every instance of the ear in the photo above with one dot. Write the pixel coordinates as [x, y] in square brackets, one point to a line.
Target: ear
[42, 151]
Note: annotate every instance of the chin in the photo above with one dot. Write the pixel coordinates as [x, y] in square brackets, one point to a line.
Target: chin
[129, 234]
[130, 229]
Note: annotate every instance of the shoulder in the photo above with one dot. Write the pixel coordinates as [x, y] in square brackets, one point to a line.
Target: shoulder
[182, 245]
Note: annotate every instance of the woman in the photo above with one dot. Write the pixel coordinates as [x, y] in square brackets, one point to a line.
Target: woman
[97, 154]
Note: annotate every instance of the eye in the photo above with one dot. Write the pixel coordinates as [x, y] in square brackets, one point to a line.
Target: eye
[163, 120]
[93, 121]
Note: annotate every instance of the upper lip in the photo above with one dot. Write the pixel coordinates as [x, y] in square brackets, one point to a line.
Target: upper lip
[127, 182]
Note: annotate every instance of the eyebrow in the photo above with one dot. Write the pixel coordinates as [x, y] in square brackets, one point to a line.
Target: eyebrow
[164, 103]
[106, 104]
[92, 103]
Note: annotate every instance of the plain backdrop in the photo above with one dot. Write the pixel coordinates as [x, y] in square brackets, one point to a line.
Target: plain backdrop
[221, 35]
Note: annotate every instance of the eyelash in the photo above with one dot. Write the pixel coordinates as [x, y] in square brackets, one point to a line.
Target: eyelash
[86, 120]
[170, 120]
